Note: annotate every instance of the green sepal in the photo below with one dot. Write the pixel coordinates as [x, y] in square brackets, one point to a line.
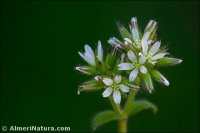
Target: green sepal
[103, 118]
[125, 33]
[111, 59]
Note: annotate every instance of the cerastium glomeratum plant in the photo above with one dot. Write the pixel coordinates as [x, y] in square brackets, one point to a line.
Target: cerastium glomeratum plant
[127, 68]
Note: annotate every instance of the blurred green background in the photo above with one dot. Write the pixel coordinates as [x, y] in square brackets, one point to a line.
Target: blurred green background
[39, 44]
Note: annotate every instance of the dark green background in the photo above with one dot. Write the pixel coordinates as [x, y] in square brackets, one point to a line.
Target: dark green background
[39, 44]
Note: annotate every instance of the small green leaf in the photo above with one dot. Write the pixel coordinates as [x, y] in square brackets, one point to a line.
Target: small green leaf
[140, 105]
[104, 117]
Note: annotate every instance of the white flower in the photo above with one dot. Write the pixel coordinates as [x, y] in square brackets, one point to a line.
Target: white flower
[114, 87]
[136, 65]
[144, 41]
[89, 55]
[152, 54]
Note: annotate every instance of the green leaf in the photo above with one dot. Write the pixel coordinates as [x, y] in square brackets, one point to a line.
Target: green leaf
[103, 118]
[140, 105]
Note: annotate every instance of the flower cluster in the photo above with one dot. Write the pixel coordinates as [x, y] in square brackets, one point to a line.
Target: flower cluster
[130, 65]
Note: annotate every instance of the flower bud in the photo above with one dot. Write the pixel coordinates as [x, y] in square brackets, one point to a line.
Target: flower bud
[134, 22]
[167, 61]
[91, 85]
[151, 28]
[98, 78]
[115, 42]
[159, 77]
[85, 69]
[148, 84]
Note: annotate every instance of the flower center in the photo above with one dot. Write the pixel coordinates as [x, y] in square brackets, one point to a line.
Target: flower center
[115, 86]
[137, 65]
[149, 57]
[139, 44]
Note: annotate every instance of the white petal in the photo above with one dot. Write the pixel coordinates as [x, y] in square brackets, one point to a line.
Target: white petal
[89, 50]
[143, 69]
[131, 56]
[108, 81]
[124, 88]
[82, 55]
[125, 66]
[158, 56]
[117, 79]
[144, 42]
[154, 48]
[90, 58]
[142, 59]
[117, 96]
[107, 92]
[135, 34]
[99, 51]
[145, 36]
[133, 75]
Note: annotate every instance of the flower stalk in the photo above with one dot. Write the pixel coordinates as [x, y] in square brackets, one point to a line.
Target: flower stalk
[123, 121]
[115, 107]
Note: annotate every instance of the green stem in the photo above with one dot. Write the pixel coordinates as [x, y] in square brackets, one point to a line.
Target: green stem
[122, 125]
[129, 102]
[115, 106]
[123, 121]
